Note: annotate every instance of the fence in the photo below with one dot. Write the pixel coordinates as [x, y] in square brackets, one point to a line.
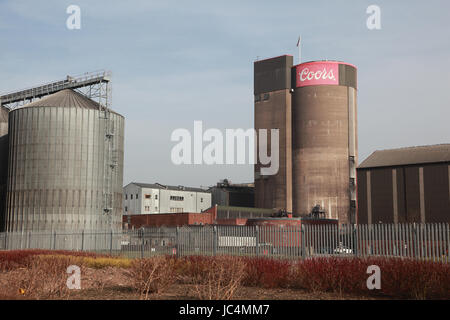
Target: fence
[419, 241]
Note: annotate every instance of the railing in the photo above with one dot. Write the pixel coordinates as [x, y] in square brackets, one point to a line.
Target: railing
[77, 81]
[418, 241]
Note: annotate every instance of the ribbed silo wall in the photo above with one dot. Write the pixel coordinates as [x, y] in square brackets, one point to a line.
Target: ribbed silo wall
[56, 177]
[324, 139]
[3, 163]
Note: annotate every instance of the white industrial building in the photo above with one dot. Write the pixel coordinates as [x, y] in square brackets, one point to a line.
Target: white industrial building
[154, 198]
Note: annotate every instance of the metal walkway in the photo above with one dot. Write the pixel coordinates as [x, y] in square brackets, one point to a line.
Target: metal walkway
[89, 80]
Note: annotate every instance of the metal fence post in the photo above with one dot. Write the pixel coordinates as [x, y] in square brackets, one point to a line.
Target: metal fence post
[303, 252]
[415, 241]
[257, 240]
[355, 239]
[54, 240]
[110, 242]
[82, 240]
[177, 240]
[214, 240]
[142, 242]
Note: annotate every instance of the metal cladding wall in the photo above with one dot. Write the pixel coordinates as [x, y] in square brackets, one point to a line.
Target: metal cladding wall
[272, 84]
[3, 162]
[324, 139]
[404, 194]
[62, 173]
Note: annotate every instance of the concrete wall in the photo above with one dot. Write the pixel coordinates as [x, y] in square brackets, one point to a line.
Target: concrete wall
[321, 166]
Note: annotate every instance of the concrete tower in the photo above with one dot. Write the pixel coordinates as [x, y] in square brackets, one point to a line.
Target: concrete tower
[314, 106]
[272, 85]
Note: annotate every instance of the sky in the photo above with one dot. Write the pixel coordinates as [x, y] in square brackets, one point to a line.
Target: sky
[174, 62]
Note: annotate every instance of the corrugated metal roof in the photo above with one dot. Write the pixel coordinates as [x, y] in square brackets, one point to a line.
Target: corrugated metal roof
[407, 156]
[66, 98]
[161, 186]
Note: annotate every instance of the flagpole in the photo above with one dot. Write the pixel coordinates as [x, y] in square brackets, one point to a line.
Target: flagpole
[299, 51]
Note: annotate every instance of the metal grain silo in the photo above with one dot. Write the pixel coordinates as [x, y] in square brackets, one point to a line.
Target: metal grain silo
[324, 145]
[65, 165]
[3, 162]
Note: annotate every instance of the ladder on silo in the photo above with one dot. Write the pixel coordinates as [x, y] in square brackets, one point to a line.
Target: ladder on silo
[110, 158]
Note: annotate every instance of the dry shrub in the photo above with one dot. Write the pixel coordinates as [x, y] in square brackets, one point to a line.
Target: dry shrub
[412, 279]
[152, 275]
[221, 279]
[13, 259]
[341, 275]
[267, 273]
[190, 268]
[105, 262]
[400, 278]
[45, 277]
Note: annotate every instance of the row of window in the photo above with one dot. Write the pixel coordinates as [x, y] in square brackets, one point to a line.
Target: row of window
[147, 196]
[147, 208]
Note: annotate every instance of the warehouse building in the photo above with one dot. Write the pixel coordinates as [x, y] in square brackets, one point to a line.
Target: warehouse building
[153, 198]
[405, 185]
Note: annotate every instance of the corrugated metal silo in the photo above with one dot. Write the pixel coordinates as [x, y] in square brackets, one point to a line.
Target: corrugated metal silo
[324, 139]
[3, 162]
[65, 165]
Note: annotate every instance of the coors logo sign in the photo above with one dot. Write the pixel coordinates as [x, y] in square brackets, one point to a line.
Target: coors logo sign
[317, 73]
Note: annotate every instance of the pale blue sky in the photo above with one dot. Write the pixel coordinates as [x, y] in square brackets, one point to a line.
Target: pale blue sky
[174, 62]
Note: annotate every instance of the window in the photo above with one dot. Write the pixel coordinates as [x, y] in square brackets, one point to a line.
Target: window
[126, 196]
[176, 198]
[147, 208]
[131, 196]
[148, 196]
[137, 196]
[156, 208]
[126, 209]
[201, 199]
[156, 197]
[176, 210]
